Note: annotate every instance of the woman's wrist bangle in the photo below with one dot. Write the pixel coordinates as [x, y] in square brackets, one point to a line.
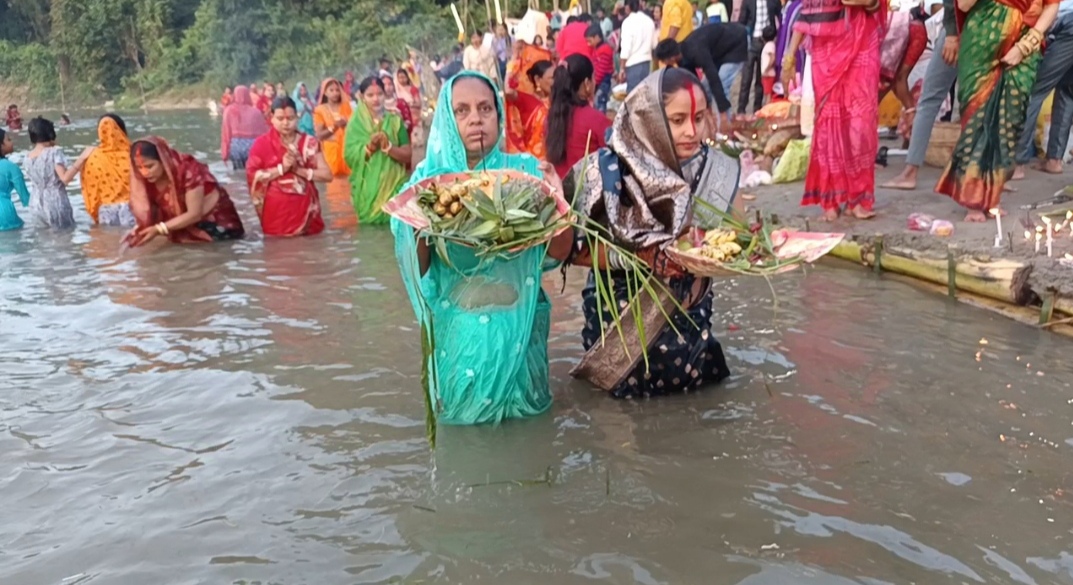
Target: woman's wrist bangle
[162, 228]
[279, 169]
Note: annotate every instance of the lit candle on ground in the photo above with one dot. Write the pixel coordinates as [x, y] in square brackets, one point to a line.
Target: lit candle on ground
[995, 211]
[1047, 222]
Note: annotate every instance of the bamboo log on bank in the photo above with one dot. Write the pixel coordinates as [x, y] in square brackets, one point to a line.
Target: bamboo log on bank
[1025, 315]
[1000, 279]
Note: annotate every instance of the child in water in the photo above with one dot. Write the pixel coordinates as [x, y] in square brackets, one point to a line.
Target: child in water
[47, 167]
[10, 180]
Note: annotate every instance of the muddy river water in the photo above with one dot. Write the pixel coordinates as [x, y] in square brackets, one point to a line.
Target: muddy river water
[251, 412]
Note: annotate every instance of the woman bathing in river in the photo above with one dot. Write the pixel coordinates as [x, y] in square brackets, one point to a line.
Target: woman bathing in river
[10, 180]
[330, 120]
[47, 168]
[283, 170]
[642, 188]
[173, 194]
[485, 323]
[377, 151]
[242, 124]
[106, 175]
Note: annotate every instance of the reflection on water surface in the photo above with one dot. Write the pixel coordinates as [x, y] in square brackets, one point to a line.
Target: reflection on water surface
[250, 413]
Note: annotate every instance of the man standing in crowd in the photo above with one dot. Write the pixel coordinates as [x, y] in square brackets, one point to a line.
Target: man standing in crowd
[756, 15]
[938, 79]
[1055, 73]
[677, 20]
[717, 12]
[480, 58]
[572, 41]
[603, 65]
[638, 34]
[606, 24]
[719, 50]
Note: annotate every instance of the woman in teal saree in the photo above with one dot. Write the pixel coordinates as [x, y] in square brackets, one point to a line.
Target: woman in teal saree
[304, 108]
[484, 322]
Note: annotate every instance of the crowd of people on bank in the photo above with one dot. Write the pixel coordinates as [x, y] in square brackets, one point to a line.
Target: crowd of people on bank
[537, 103]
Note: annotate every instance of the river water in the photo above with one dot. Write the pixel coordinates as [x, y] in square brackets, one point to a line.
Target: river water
[251, 412]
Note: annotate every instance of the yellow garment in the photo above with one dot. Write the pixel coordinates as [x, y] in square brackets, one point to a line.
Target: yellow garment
[677, 13]
[106, 174]
[890, 111]
[1042, 122]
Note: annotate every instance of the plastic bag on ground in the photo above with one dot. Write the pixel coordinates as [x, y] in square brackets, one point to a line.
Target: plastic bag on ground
[793, 164]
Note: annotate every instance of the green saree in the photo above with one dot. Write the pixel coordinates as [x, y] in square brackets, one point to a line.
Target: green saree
[994, 101]
[374, 180]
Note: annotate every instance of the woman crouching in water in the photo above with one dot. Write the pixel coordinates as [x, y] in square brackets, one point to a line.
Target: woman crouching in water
[174, 195]
[642, 189]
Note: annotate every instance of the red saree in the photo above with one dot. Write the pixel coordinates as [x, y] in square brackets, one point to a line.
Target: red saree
[290, 205]
[151, 205]
[844, 42]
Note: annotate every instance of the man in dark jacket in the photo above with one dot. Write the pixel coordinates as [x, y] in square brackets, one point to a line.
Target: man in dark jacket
[757, 15]
[719, 50]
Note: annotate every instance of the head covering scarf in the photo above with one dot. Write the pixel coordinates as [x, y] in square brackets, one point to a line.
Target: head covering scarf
[484, 322]
[446, 152]
[185, 173]
[304, 108]
[106, 174]
[241, 120]
[325, 116]
[638, 189]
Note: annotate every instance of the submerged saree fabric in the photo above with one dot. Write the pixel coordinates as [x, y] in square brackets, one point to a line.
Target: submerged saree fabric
[994, 101]
[844, 42]
[484, 322]
[151, 205]
[375, 179]
[325, 116]
[106, 174]
[288, 205]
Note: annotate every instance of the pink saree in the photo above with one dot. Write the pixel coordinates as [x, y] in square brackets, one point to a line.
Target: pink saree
[844, 42]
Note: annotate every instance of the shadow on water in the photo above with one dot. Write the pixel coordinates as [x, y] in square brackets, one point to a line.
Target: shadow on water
[250, 413]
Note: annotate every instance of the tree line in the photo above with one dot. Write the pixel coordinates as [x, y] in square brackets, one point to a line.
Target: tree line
[86, 50]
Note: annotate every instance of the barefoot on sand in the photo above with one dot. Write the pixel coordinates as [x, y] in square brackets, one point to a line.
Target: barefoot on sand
[862, 213]
[830, 215]
[905, 181]
[1051, 166]
[975, 217]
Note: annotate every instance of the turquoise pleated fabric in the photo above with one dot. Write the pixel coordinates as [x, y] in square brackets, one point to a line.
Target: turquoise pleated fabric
[485, 321]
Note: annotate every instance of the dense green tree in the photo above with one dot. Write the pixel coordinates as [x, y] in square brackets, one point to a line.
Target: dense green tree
[99, 48]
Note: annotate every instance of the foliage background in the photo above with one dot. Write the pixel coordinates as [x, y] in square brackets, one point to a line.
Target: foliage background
[87, 50]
